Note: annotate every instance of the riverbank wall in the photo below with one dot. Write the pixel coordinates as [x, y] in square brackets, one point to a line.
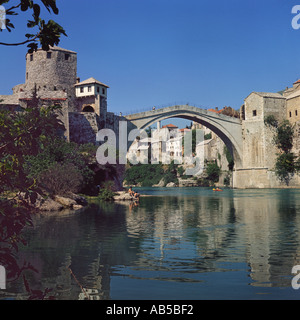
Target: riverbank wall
[261, 178]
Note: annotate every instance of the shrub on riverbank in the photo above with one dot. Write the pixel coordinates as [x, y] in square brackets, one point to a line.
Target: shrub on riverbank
[60, 168]
[145, 175]
[106, 192]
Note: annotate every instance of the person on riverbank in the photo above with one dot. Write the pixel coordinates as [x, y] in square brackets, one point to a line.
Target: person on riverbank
[134, 194]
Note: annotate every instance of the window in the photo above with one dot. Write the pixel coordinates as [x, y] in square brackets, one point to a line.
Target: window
[290, 114]
[254, 113]
[98, 89]
[67, 56]
[26, 75]
[89, 89]
[81, 89]
[103, 91]
[296, 113]
[31, 57]
[49, 54]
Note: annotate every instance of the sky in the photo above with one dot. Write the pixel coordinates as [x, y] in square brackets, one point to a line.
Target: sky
[166, 52]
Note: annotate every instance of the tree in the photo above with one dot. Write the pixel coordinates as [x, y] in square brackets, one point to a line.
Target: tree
[47, 33]
[287, 164]
[213, 172]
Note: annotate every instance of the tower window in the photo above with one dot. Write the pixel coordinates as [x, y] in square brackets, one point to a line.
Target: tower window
[49, 54]
[81, 89]
[103, 91]
[296, 112]
[290, 114]
[26, 75]
[89, 89]
[31, 57]
[67, 56]
[254, 113]
[98, 89]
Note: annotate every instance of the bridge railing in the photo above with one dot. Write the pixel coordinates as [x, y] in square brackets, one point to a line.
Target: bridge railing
[157, 107]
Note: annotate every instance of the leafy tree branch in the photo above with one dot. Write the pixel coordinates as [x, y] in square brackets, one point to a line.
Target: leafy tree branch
[47, 33]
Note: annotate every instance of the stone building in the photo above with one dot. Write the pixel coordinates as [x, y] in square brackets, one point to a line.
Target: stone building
[53, 76]
[292, 96]
[259, 151]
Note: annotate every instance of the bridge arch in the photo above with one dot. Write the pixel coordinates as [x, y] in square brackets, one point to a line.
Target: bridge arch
[229, 129]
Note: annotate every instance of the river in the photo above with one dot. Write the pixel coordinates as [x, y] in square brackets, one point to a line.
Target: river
[177, 244]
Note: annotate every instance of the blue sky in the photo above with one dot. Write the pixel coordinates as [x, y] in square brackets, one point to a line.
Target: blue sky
[160, 52]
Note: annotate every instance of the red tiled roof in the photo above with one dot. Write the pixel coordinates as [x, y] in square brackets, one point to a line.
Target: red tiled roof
[169, 126]
[184, 129]
[216, 111]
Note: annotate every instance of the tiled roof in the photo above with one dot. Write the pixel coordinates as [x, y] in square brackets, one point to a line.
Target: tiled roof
[169, 126]
[91, 81]
[269, 95]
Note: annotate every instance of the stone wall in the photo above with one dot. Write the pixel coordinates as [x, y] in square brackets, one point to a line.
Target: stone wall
[293, 107]
[56, 69]
[258, 147]
[83, 127]
[262, 179]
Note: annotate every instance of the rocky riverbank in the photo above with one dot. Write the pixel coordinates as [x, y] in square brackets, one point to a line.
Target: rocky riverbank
[57, 203]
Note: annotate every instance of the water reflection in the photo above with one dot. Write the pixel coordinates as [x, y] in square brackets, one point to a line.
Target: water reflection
[192, 243]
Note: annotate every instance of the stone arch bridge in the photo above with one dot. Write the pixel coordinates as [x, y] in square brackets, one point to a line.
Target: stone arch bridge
[229, 129]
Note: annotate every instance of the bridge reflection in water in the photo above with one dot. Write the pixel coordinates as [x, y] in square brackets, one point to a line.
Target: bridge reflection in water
[177, 244]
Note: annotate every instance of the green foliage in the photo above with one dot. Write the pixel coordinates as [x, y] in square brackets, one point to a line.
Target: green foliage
[229, 159]
[23, 134]
[60, 179]
[227, 181]
[208, 136]
[61, 154]
[171, 173]
[106, 192]
[180, 171]
[271, 121]
[147, 174]
[213, 172]
[32, 147]
[284, 136]
[203, 182]
[47, 33]
[194, 140]
[287, 164]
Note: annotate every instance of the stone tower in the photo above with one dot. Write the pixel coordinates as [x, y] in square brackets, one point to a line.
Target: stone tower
[53, 70]
[53, 75]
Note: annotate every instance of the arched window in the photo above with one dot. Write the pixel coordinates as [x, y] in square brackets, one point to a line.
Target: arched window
[88, 109]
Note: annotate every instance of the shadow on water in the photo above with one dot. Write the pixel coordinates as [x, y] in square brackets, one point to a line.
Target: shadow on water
[176, 244]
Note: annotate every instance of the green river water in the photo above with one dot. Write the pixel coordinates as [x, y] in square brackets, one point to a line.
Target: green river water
[177, 244]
